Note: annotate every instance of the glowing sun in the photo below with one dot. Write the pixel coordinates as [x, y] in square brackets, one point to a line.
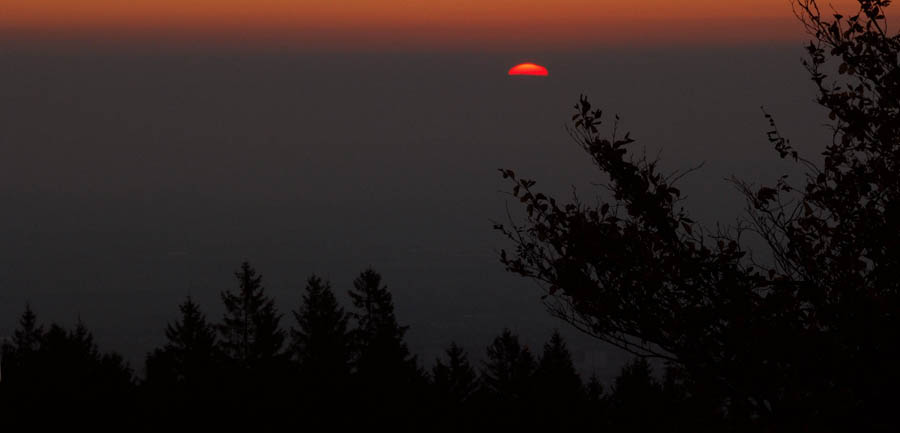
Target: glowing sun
[529, 69]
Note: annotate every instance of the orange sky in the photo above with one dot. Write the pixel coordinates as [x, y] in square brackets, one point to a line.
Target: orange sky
[424, 23]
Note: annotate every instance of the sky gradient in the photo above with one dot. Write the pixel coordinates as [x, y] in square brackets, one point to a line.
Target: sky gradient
[463, 24]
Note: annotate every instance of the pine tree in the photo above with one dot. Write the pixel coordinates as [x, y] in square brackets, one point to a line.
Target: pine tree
[27, 337]
[190, 355]
[184, 376]
[509, 368]
[388, 377]
[256, 366]
[594, 389]
[636, 393]
[18, 354]
[507, 395]
[456, 381]
[321, 341]
[454, 387]
[251, 337]
[381, 349]
[74, 378]
[556, 376]
[558, 387]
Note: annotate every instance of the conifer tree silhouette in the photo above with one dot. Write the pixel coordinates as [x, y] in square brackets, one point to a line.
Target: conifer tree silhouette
[507, 378]
[62, 372]
[256, 365]
[635, 394]
[18, 354]
[456, 381]
[388, 377]
[509, 368]
[183, 378]
[379, 338]
[594, 389]
[558, 387]
[251, 337]
[190, 357]
[321, 347]
[556, 376]
[454, 385]
[321, 341]
[27, 337]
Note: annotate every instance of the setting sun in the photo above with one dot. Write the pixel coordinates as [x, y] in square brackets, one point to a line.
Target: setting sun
[529, 69]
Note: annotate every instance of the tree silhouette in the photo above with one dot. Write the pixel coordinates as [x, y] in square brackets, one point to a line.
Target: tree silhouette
[190, 356]
[456, 381]
[454, 386]
[321, 347]
[19, 353]
[252, 341]
[184, 377]
[507, 379]
[594, 389]
[388, 376]
[558, 386]
[63, 373]
[251, 337]
[379, 337]
[556, 376]
[321, 341]
[807, 341]
[635, 394]
[27, 337]
[509, 367]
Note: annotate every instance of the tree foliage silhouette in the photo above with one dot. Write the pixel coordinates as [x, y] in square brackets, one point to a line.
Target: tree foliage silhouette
[806, 341]
[386, 374]
[18, 355]
[381, 349]
[184, 379]
[456, 381]
[555, 375]
[635, 393]
[190, 356]
[558, 386]
[454, 386]
[321, 348]
[256, 366]
[251, 336]
[509, 367]
[321, 341]
[62, 370]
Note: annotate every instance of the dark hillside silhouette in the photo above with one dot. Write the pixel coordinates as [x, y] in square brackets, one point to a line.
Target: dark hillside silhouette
[802, 336]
